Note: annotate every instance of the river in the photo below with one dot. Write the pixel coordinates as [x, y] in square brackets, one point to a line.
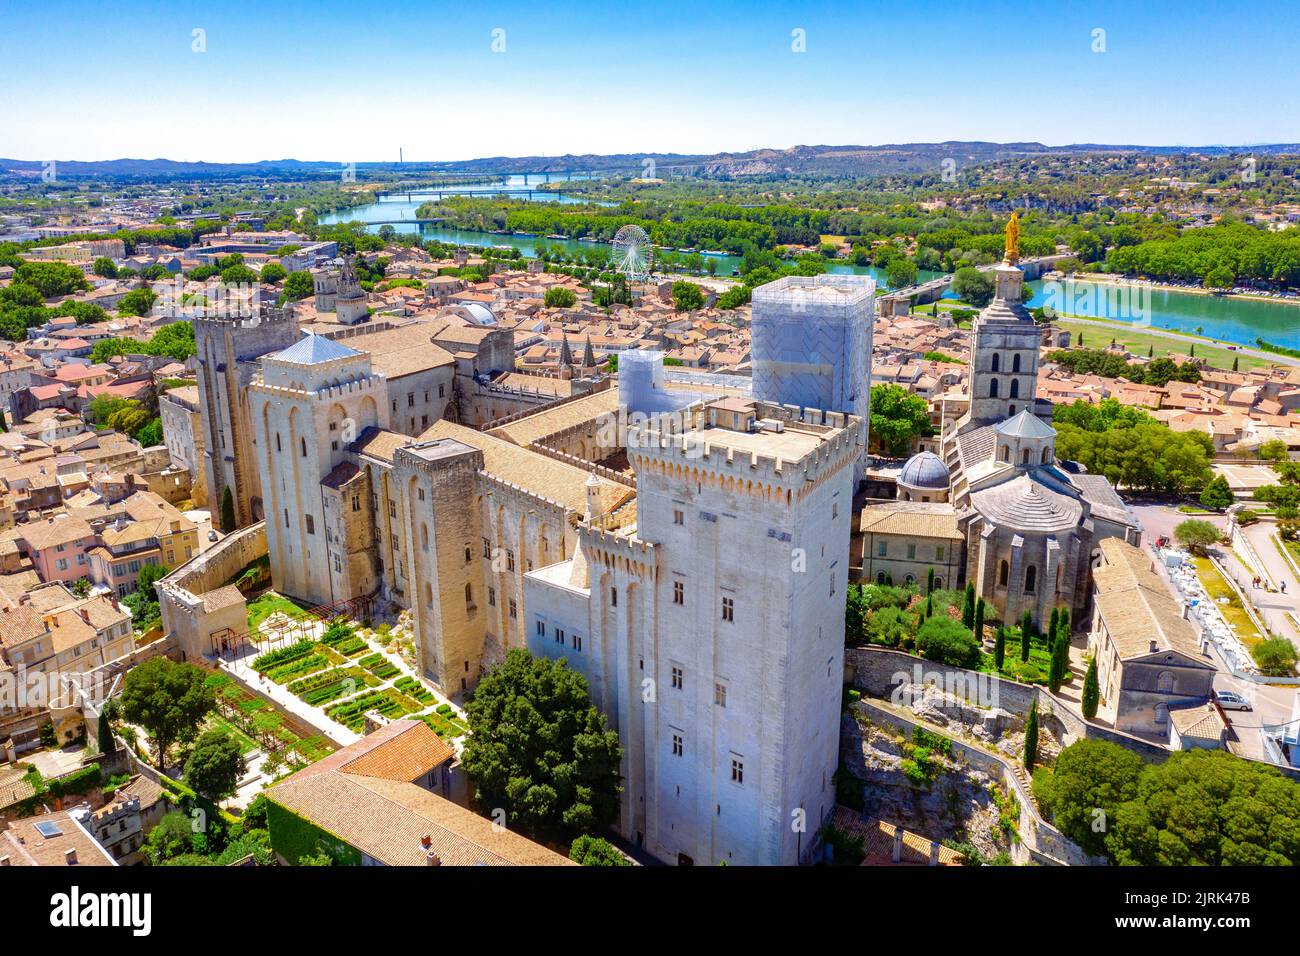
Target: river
[1227, 319]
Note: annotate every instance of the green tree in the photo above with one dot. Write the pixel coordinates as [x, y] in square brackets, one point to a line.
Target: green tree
[51, 279]
[900, 273]
[944, 640]
[929, 581]
[272, 272]
[1275, 449]
[168, 700]
[540, 750]
[137, 302]
[855, 615]
[1031, 737]
[172, 837]
[1196, 535]
[1217, 495]
[227, 510]
[687, 296]
[968, 606]
[1275, 657]
[1000, 648]
[1085, 787]
[214, 765]
[589, 850]
[978, 625]
[297, 285]
[1059, 668]
[973, 286]
[559, 297]
[1026, 634]
[104, 267]
[897, 418]
[1091, 690]
[1210, 808]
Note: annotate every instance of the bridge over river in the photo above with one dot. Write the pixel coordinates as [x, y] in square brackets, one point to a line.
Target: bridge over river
[901, 301]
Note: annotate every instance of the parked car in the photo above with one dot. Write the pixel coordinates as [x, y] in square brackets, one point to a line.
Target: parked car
[1230, 700]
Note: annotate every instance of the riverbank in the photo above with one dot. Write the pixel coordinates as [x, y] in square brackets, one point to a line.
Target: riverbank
[1110, 278]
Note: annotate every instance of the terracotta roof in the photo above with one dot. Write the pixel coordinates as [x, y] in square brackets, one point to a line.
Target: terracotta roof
[362, 796]
[25, 845]
[407, 749]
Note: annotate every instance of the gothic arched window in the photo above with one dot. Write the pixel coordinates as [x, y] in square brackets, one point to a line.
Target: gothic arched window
[997, 362]
[1165, 682]
[1031, 579]
[1015, 362]
[1015, 388]
[1003, 571]
[993, 388]
[1047, 455]
[1024, 457]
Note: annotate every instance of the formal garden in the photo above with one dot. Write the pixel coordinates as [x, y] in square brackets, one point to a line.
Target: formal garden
[952, 627]
[347, 669]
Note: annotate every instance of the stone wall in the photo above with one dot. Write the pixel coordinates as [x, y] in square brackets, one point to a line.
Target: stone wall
[876, 672]
[1039, 841]
[186, 621]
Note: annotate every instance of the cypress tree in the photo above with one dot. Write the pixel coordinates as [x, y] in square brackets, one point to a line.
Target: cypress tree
[1000, 648]
[1056, 669]
[979, 620]
[1063, 623]
[929, 582]
[1031, 737]
[107, 746]
[968, 608]
[227, 511]
[929, 606]
[1051, 626]
[1091, 691]
[1026, 635]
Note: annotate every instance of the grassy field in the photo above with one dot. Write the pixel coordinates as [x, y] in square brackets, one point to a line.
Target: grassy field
[268, 603]
[1233, 612]
[1139, 343]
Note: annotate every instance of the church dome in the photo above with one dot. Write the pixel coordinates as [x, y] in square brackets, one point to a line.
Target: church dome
[925, 470]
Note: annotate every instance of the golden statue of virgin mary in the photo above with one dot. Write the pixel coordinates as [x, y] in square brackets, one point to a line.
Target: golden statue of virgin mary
[1012, 255]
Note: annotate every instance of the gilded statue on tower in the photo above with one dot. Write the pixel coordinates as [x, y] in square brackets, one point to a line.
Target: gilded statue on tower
[1013, 240]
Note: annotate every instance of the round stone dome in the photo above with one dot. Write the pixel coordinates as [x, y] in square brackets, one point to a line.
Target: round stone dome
[925, 470]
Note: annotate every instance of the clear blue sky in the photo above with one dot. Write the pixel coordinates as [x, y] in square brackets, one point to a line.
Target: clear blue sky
[353, 81]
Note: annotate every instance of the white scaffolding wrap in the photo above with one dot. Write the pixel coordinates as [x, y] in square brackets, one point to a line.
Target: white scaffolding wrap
[811, 344]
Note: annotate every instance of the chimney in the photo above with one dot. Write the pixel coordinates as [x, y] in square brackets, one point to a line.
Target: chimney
[70, 856]
[934, 852]
[85, 615]
[897, 853]
[1186, 611]
[1153, 646]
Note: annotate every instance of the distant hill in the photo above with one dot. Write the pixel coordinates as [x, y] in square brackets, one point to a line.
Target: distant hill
[797, 160]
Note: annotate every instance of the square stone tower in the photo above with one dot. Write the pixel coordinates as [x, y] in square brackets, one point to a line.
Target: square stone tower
[228, 349]
[309, 404]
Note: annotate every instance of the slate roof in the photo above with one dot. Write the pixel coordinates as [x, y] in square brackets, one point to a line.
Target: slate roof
[314, 349]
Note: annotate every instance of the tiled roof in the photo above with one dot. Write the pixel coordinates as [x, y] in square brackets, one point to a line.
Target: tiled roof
[530, 470]
[1136, 607]
[362, 796]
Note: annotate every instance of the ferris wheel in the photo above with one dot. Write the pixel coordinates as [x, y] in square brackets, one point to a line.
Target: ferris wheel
[631, 255]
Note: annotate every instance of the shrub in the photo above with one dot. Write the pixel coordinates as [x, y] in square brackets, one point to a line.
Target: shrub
[944, 640]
